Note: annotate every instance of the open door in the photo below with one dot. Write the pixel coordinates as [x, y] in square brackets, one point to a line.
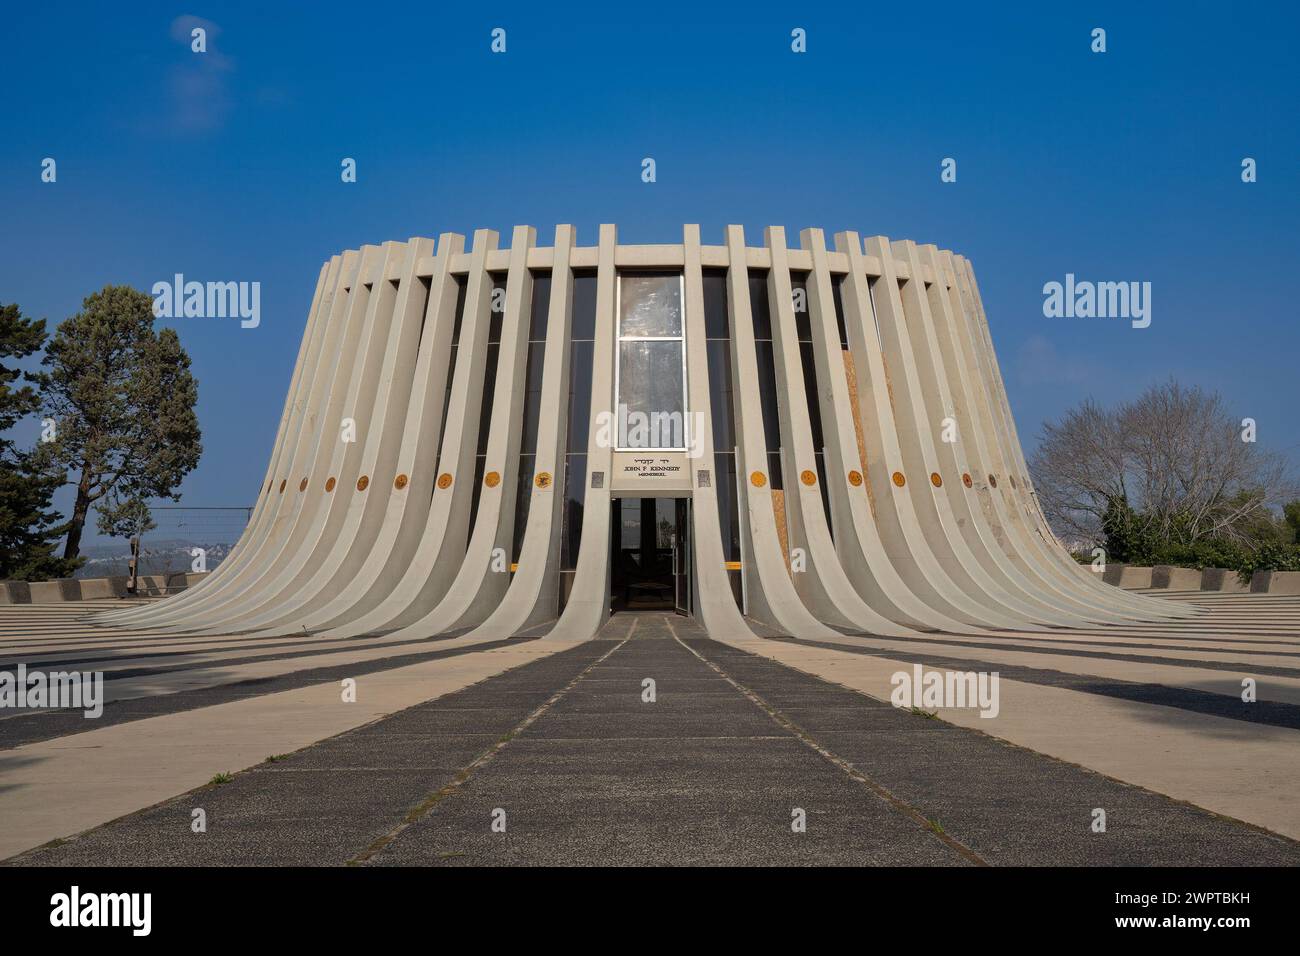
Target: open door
[682, 557]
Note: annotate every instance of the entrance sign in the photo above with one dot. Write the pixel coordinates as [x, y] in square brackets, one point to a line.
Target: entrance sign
[651, 473]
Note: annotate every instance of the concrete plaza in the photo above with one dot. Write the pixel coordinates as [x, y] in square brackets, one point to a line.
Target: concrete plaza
[537, 751]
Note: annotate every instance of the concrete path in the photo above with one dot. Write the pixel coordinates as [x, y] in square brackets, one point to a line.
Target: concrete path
[574, 765]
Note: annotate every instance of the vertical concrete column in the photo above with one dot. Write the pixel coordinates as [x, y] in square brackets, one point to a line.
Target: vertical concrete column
[442, 544]
[483, 575]
[772, 596]
[588, 605]
[714, 604]
[823, 586]
[533, 596]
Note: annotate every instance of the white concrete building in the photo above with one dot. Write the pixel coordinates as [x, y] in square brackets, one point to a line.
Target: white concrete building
[812, 441]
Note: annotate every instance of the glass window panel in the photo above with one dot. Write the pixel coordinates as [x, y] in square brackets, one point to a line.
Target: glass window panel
[651, 305]
[584, 306]
[541, 307]
[715, 304]
[803, 314]
[767, 393]
[719, 355]
[650, 395]
[497, 306]
[758, 304]
[581, 359]
[523, 498]
[837, 287]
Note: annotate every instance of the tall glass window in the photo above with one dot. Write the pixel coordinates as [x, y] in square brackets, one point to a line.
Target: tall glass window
[650, 379]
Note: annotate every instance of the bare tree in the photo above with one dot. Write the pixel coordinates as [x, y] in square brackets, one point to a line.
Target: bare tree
[1174, 455]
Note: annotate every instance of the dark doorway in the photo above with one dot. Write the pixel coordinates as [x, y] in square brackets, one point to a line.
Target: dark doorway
[649, 554]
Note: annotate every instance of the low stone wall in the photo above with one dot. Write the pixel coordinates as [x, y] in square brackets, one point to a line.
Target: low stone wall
[1222, 579]
[1276, 582]
[93, 589]
[1175, 579]
[1165, 577]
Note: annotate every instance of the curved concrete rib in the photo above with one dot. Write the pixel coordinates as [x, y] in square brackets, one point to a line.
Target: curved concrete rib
[823, 586]
[432, 566]
[970, 458]
[772, 595]
[955, 365]
[915, 429]
[857, 539]
[899, 525]
[933, 533]
[715, 604]
[483, 576]
[406, 506]
[532, 597]
[308, 355]
[944, 484]
[1013, 456]
[588, 605]
[299, 515]
[275, 530]
[376, 407]
[337, 460]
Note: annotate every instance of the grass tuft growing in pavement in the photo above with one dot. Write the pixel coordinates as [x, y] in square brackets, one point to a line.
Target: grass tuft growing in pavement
[219, 779]
[927, 714]
[276, 758]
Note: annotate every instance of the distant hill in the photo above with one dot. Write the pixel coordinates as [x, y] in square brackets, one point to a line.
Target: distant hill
[156, 557]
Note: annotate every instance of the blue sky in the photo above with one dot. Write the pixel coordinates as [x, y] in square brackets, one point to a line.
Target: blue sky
[1117, 166]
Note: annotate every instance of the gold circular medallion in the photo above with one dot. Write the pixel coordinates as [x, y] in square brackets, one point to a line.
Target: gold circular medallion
[757, 479]
[282, 484]
[899, 479]
[492, 479]
[966, 480]
[444, 480]
[302, 485]
[329, 485]
[993, 481]
[935, 479]
[855, 478]
[400, 482]
[363, 483]
[808, 477]
[543, 479]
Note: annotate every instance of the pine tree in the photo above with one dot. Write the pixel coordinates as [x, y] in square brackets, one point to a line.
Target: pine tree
[123, 397]
[29, 527]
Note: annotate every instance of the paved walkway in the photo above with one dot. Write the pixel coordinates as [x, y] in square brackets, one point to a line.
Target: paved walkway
[564, 753]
